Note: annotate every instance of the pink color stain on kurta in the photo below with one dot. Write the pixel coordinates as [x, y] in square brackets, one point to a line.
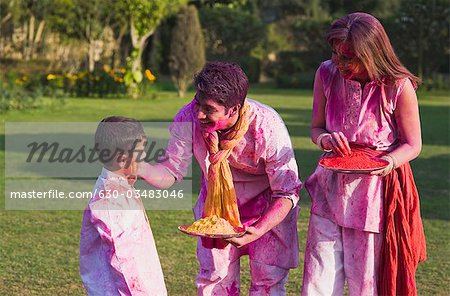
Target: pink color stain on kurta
[118, 254]
[263, 168]
[366, 117]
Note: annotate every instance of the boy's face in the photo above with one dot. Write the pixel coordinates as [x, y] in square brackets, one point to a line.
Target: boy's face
[213, 116]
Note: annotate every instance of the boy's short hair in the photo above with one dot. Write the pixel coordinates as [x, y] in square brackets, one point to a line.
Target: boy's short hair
[225, 83]
[117, 134]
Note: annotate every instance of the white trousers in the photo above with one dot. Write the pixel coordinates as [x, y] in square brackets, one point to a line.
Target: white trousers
[220, 274]
[335, 254]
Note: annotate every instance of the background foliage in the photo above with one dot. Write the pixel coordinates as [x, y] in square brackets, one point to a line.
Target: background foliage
[279, 41]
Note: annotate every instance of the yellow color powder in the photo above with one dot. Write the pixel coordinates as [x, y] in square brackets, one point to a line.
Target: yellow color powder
[212, 225]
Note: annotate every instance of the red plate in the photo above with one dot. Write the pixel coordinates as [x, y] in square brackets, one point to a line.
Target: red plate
[382, 164]
[239, 232]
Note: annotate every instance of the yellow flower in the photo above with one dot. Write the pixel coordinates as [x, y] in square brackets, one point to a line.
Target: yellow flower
[149, 75]
[51, 77]
[106, 68]
[122, 70]
[118, 79]
[71, 76]
[19, 82]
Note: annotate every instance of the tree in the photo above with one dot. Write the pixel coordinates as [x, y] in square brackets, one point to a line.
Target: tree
[30, 16]
[84, 20]
[421, 34]
[187, 51]
[379, 9]
[119, 24]
[36, 12]
[10, 11]
[230, 32]
[145, 16]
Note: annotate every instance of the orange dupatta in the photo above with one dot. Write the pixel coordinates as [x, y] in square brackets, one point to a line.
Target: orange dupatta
[404, 243]
[403, 246]
[221, 196]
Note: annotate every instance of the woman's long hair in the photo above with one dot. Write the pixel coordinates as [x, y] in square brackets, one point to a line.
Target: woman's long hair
[372, 46]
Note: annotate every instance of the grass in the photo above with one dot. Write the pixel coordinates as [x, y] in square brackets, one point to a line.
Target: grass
[39, 249]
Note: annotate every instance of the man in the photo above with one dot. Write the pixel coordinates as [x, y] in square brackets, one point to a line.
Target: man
[264, 175]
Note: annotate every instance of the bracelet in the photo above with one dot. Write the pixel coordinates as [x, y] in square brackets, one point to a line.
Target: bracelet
[319, 142]
[392, 164]
[394, 161]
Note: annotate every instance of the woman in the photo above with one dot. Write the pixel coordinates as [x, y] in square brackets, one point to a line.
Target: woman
[365, 102]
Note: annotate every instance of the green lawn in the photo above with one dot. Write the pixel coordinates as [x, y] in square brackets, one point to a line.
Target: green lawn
[39, 249]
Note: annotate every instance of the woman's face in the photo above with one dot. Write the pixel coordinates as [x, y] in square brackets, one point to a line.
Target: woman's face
[348, 64]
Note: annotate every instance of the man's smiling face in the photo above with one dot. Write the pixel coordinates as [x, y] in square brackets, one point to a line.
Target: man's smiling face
[213, 116]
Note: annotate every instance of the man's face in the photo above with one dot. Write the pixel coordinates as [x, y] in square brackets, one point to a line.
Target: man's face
[213, 116]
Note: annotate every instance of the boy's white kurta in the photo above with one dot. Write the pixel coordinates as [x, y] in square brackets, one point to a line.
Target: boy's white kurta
[264, 168]
[117, 251]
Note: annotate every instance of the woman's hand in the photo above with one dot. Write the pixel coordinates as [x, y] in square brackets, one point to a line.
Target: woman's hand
[336, 142]
[388, 169]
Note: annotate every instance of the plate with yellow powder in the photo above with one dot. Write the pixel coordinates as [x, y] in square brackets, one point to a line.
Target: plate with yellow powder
[212, 227]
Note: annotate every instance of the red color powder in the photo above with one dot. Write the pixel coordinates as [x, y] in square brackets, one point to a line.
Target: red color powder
[355, 161]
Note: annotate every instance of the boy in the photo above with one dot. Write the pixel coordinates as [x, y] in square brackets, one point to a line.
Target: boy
[117, 251]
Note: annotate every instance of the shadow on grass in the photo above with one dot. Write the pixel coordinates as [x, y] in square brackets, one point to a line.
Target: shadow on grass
[432, 180]
[295, 115]
[435, 125]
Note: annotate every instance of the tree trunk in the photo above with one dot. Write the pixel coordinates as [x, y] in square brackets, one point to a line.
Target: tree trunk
[5, 19]
[30, 38]
[24, 40]
[137, 60]
[182, 86]
[37, 38]
[116, 57]
[91, 55]
[420, 50]
[33, 37]
[138, 46]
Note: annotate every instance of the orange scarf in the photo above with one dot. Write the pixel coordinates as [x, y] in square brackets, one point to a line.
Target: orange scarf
[404, 244]
[221, 196]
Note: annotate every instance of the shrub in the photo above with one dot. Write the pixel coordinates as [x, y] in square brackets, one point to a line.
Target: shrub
[17, 97]
[437, 81]
[230, 33]
[187, 51]
[251, 67]
[303, 80]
